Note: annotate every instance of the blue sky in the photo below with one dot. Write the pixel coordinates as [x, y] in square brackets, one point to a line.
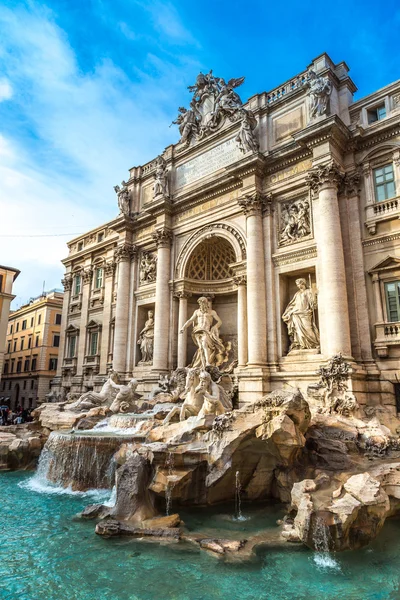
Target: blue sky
[89, 88]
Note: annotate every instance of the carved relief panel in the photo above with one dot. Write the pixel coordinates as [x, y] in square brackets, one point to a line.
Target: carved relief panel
[295, 221]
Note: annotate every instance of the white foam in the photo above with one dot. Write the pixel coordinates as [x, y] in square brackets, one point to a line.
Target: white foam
[324, 560]
[38, 485]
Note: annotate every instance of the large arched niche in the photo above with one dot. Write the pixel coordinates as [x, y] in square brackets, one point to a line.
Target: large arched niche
[210, 260]
[220, 231]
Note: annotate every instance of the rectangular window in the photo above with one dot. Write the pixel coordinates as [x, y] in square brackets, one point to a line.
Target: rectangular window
[19, 366]
[5, 368]
[384, 183]
[376, 114]
[24, 386]
[11, 328]
[29, 342]
[98, 282]
[4, 385]
[26, 365]
[39, 319]
[93, 343]
[80, 246]
[9, 347]
[22, 343]
[9, 385]
[12, 367]
[33, 366]
[17, 328]
[53, 364]
[56, 341]
[32, 322]
[1, 283]
[37, 341]
[392, 292]
[24, 324]
[15, 346]
[77, 286]
[100, 236]
[58, 319]
[32, 384]
[72, 346]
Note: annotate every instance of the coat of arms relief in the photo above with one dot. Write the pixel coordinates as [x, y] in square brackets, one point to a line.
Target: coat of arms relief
[214, 100]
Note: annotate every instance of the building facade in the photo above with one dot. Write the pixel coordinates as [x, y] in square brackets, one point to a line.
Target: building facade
[7, 277]
[283, 212]
[31, 352]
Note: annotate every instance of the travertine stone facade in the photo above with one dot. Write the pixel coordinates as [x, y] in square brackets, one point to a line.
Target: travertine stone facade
[31, 352]
[7, 277]
[300, 184]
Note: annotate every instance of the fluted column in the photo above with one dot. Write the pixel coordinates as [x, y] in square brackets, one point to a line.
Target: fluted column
[332, 292]
[123, 256]
[163, 239]
[67, 283]
[241, 281]
[256, 303]
[182, 337]
[87, 276]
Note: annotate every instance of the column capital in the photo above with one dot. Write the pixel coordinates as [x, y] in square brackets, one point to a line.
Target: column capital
[375, 277]
[67, 281]
[252, 204]
[182, 294]
[109, 268]
[87, 274]
[351, 183]
[240, 280]
[329, 176]
[162, 238]
[125, 252]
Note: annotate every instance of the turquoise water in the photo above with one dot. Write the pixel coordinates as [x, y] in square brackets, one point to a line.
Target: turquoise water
[47, 554]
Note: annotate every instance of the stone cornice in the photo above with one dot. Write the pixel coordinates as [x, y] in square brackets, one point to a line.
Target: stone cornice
[294, 256]
[381, 239]
[330, 129]
[162, 237]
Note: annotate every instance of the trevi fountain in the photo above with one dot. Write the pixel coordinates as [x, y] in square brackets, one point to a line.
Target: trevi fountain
[239, 440]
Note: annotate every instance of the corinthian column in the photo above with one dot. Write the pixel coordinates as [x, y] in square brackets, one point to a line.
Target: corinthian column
[241, 281]
[123, 256]
[163, 238]
[256, 304]
[332, 294]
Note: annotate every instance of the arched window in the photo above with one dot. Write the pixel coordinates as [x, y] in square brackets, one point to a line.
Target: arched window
[210, 260]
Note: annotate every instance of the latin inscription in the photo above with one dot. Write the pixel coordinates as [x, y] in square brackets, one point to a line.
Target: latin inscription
[301, 167]
[210, 161]
[202, 208]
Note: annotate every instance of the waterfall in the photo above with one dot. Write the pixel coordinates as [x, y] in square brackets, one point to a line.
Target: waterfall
[238, 498]
[169, 464]
[322, 543]
[79, 461]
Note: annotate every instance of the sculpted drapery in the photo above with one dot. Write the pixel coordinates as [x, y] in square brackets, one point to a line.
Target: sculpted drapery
[300, 320]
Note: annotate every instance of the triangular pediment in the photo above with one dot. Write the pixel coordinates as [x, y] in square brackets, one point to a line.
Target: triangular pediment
[72, 329]
[387, 264]
[93, 325]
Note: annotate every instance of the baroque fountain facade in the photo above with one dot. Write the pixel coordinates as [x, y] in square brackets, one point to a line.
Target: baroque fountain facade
[233, 328]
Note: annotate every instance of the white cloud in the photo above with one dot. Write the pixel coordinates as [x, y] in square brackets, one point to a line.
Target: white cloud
[6, 91]
[85, 131]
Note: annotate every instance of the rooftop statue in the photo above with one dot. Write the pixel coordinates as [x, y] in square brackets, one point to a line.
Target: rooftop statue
[320, 89]
[211, 349]
[213, 100]
[161, 185]
[123, 198]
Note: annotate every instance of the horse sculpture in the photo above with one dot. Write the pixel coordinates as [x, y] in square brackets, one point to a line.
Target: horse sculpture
[193, 399]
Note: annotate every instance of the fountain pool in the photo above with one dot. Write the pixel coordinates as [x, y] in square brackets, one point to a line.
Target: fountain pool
[45, 553]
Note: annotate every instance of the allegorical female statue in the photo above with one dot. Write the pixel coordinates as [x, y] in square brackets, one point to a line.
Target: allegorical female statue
[146, 340]
[211, 349]
[300, 320]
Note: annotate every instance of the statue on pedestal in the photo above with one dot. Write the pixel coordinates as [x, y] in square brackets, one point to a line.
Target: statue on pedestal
[123, 198]
[300, 319]
[319, 93]
[245, 137]
[161, 186]
[211, 350]
[146, 340]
